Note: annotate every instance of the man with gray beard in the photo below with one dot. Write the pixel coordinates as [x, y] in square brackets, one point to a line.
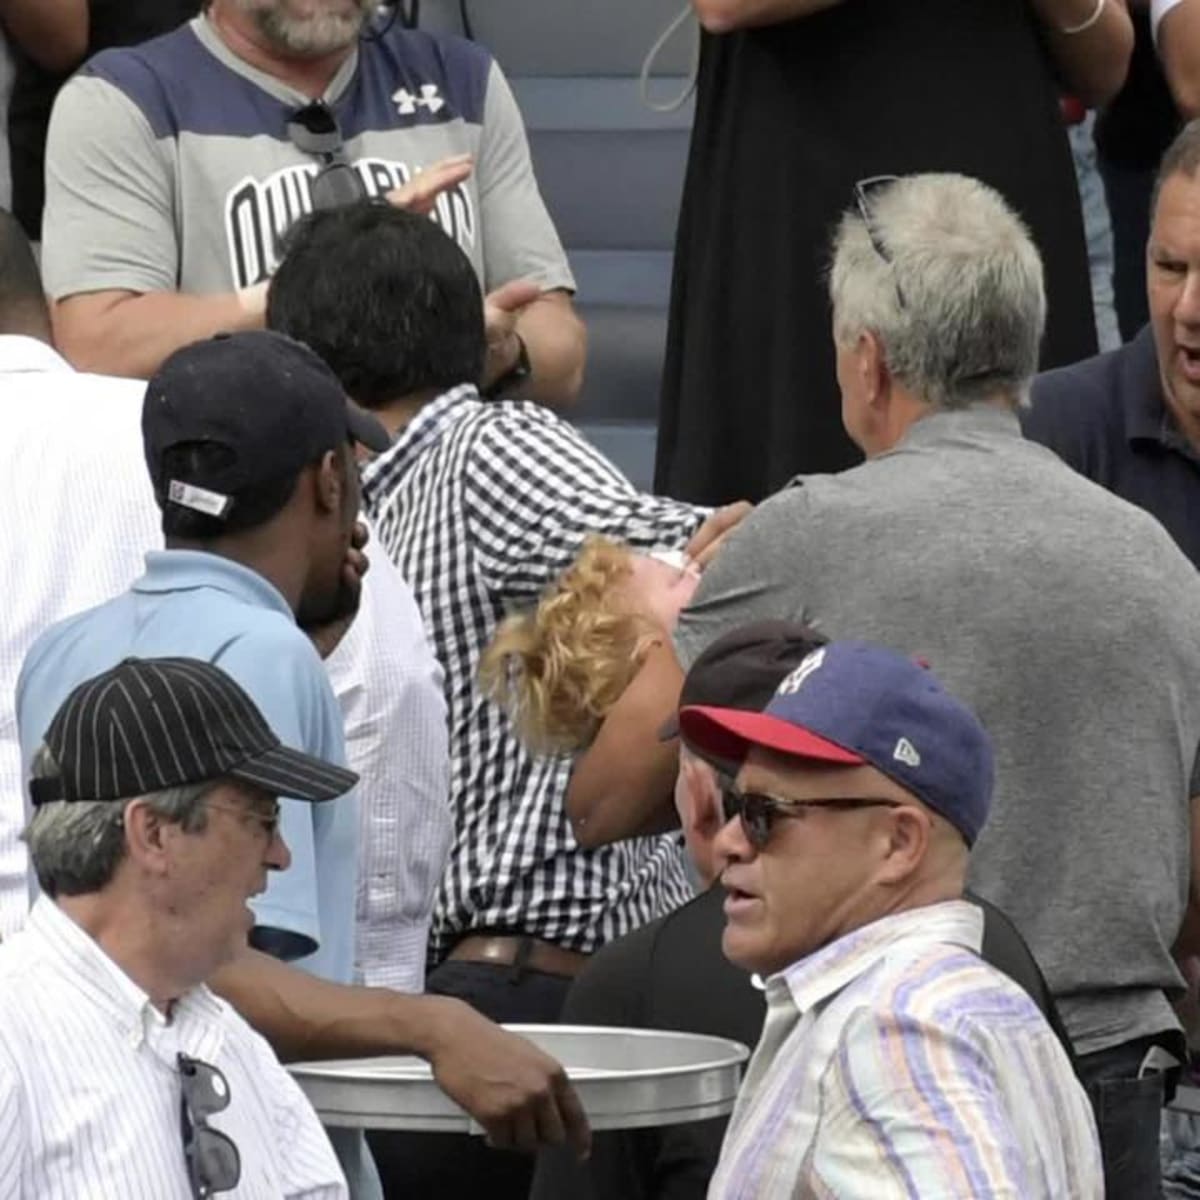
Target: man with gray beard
[174, 168]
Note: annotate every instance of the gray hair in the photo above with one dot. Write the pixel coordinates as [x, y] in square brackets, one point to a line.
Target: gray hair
[1182, 157]
[76, 845]
[960, 307]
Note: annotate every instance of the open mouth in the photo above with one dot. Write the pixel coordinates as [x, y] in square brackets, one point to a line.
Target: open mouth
[1189, 361]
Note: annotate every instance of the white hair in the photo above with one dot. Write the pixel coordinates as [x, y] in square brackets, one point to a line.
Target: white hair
[956, 298]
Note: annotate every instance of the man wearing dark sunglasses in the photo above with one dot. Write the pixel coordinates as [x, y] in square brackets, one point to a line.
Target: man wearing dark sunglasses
[321, 102]
[1063, 613]
[894, 1060]
[156, 820]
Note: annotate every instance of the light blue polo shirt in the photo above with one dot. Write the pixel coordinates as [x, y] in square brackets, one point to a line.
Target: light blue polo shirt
[199, 605]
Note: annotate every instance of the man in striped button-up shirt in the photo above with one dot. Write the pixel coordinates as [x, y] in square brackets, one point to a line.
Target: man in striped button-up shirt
[894, 1062]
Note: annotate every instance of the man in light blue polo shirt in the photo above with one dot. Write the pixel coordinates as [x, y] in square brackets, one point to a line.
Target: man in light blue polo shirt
[249, 442]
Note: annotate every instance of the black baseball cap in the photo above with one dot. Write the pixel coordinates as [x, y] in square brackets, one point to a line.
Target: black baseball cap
[743, 667]
[155, 723]
[269, 401]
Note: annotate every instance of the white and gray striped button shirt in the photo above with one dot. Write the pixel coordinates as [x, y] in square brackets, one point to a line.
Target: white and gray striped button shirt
[72, 437]
[90, 1091]
[482, 506]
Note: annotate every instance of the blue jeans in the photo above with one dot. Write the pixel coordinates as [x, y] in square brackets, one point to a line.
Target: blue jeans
[1181, 1156]
[1097, 228]
[1128, 1115]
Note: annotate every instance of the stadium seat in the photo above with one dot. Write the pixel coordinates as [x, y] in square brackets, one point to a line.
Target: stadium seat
[611, 170]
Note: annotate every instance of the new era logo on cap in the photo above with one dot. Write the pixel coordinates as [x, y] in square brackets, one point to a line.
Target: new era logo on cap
[906, 753]
[794, 681]
[851, 703]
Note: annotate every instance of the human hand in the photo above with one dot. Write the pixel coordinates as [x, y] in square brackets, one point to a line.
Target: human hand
[327, 632]
[420, 193]
[707, 540]
[501, 309]
[520, 1096]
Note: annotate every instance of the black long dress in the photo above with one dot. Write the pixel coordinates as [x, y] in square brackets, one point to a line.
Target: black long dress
[788, 117]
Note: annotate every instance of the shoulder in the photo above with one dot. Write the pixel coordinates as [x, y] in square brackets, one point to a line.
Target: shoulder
[1085, 399]
[144, 74]
[518, 425]
[266, 644]
[611, 988]
[179, 85]
[941, 992]
[459, 67]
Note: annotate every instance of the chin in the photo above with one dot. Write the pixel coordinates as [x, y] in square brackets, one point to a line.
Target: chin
[742, 952]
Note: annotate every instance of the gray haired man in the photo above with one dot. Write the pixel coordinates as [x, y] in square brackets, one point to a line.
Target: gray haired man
[1061, 615]
[156, 818]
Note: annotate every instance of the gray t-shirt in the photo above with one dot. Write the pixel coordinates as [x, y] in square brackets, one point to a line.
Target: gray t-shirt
[1070, 622]
[169, 167]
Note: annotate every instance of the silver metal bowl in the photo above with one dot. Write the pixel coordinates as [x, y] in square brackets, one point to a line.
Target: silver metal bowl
[625, 1079]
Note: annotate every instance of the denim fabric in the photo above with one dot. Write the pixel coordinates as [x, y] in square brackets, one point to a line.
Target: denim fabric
[1180, 1145]
[1097, 229]
[1128, 1116]
[1129, 191]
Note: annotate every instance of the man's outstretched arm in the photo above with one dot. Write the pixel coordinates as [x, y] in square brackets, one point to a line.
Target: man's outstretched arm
[520, 1096]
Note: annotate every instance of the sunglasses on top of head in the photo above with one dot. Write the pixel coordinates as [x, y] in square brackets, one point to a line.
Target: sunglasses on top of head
[864, 190]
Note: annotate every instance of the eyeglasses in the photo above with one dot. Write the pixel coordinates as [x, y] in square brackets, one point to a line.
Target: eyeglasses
[759, 811]
[862, 197]
[314, 130]
[268, 820]
[213, 1161]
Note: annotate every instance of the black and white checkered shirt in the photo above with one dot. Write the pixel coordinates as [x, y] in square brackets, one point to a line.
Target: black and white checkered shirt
[481, 506]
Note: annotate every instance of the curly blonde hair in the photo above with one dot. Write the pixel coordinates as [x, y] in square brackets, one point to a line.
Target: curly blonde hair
[558, 669]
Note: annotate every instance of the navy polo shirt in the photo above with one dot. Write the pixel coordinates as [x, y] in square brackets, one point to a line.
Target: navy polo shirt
[1106, 417]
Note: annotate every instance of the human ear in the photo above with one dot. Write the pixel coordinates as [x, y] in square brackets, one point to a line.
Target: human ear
[908, 831]
[148, 837]
[330, 482]
[871, 363]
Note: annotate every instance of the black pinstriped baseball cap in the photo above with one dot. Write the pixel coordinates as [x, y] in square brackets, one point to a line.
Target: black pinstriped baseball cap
[156, 723]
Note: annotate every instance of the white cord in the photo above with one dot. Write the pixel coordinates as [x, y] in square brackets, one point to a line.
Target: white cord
[1084, 26]
[693, 70]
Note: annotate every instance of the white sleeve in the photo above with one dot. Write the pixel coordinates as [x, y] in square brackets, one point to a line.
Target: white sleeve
[1158, 10]
[389, 686]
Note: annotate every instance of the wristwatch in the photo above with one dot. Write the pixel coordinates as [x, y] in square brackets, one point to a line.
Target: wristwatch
[521, 370]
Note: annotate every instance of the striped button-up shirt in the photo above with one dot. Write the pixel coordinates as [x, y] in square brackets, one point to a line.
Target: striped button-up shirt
[90, 1090]
[896, 1063]
[482, 506]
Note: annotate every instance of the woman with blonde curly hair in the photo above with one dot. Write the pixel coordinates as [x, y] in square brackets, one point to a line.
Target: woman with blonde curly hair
[559, 668]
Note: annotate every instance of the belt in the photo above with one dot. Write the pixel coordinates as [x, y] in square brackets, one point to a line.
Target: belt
[519, 951]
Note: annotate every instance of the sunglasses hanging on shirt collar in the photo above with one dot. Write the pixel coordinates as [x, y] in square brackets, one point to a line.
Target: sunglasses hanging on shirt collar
[213, 1162]
[314, 130]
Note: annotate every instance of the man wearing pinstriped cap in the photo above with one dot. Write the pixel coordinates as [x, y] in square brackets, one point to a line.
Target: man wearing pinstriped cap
[155, 820]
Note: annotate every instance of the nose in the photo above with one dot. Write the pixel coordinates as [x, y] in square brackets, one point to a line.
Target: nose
[1187, 307]
[731, 844]
[278, 857]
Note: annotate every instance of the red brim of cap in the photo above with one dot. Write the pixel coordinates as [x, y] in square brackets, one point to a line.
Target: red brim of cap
[730, 733]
